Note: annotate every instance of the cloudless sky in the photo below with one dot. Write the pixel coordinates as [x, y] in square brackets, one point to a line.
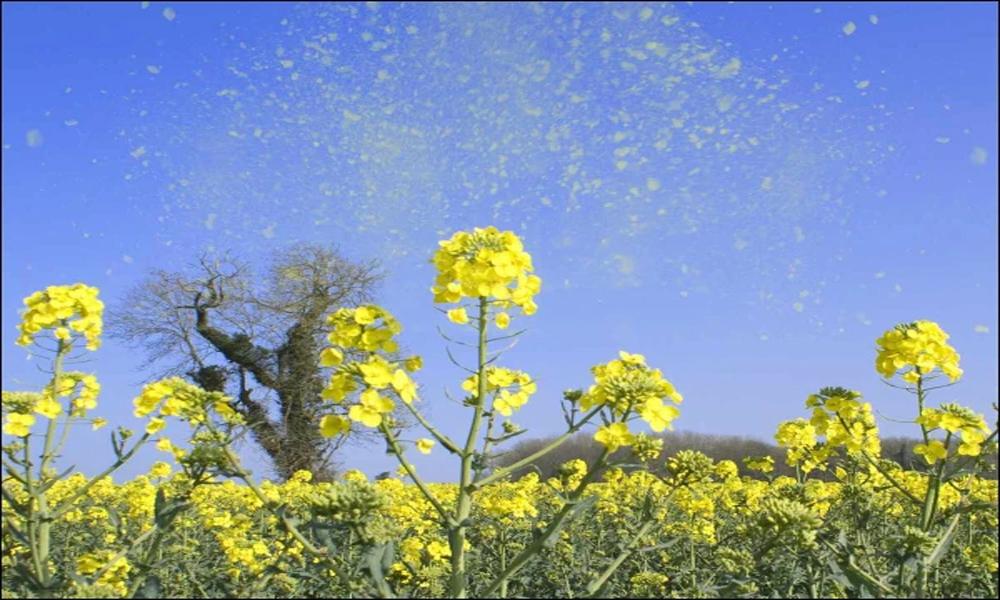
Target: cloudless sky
[748, 194]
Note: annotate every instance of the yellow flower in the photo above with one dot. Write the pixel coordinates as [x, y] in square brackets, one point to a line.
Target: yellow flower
[377, 372]
[932, 452]
[424, 445]
[371, 409]
[972, 442]
[155, 424]
[502, 320]
[339, 386]
[98, 423]
[175, 397]
[660, 416]
[632, 359]
[414, 363]
[18, 424]
[369, 328]
[458, 315]
[614, 436]
[160, 469]
[88, 563]
[404, 386]
[365, 315]
[48, 407]
[503, 381]
[506, 403]
[331, 357]
[796, 434]
[332, 425]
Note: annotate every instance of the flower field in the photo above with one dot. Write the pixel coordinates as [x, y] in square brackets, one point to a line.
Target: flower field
[849, 524]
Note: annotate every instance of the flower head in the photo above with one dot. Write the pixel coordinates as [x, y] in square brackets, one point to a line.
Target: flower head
[916, 349]
[485, 263]
[511, 388]
[629, 384]
[64, 309]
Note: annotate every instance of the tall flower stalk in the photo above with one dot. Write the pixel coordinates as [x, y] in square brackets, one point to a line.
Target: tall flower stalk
[488, 272]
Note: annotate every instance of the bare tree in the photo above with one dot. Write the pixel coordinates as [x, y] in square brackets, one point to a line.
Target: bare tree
[256, 338]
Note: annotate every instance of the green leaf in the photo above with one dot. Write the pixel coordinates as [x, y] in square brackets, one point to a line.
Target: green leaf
[166, 511]
[374, 560]
[161, 499]
[388, 555]
[942, 546]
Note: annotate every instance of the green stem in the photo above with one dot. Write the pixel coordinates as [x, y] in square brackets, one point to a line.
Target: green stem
[596, 587]
[32, 523]
[487, 442]
[934, 488]
[930, 496]
[503, 563]
[44, 517]
[694, 566]
[457, 586]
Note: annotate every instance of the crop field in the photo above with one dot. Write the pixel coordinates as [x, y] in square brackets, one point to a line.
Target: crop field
[203, 527]
[368, 299]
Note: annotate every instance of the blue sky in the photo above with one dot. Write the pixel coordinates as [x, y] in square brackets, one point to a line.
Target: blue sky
[748, 194]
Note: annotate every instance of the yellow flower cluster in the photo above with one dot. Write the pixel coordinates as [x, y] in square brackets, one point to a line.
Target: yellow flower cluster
[917, 349]
[840, 419]
[18, 408]
[68, 383]
[226, 512]
[627, 386]
[115, 578]
[511, 502]
[798, 436]
[511, 388]
[18, 424]
[763, 464]
[485, 263]
[369, 329]
[969, 427]
[175, 397]
[56, 307]
[840, 416]
[228, 528]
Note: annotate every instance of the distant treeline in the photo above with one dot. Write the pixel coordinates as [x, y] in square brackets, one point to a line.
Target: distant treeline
[717, 447]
